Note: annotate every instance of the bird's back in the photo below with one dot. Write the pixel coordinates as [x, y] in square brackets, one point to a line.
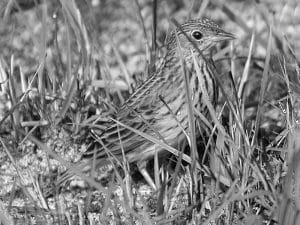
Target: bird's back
[158, 108]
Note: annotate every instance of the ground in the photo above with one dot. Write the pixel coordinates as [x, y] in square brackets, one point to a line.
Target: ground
[66, 64]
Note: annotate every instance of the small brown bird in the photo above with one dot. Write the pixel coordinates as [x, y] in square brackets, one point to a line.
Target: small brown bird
[145, 109]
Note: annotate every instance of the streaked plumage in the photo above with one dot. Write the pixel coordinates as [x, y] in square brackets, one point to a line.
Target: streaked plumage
[166, 82]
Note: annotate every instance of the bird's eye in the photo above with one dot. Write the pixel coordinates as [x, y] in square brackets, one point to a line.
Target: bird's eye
[197, 35]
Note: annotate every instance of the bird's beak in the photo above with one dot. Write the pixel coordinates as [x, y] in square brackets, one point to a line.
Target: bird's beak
[222, 36]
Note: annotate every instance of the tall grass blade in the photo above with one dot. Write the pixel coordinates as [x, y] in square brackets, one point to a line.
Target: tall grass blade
[263, 86]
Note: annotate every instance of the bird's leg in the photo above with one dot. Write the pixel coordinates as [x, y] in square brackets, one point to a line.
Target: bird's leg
[142, 168]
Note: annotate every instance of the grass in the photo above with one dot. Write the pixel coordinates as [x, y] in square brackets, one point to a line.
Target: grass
[75, 66]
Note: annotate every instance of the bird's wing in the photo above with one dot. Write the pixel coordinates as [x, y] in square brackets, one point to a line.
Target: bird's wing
[137, 112]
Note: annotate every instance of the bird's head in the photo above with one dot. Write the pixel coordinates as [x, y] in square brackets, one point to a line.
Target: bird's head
[204, 33]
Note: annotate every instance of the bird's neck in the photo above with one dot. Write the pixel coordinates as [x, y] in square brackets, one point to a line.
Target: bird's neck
[174, 57]
[199, 71]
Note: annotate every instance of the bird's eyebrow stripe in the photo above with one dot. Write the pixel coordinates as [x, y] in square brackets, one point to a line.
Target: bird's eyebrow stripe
[197, 23]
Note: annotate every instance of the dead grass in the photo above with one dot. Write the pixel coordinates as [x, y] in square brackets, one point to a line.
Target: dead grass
[66, 66]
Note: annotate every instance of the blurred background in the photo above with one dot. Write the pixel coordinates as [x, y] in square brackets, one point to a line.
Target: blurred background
[64, 61]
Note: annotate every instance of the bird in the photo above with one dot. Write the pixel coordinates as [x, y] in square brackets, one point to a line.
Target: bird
[159, 107]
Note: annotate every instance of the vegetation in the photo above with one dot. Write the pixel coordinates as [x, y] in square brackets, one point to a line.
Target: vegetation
[65, 67]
